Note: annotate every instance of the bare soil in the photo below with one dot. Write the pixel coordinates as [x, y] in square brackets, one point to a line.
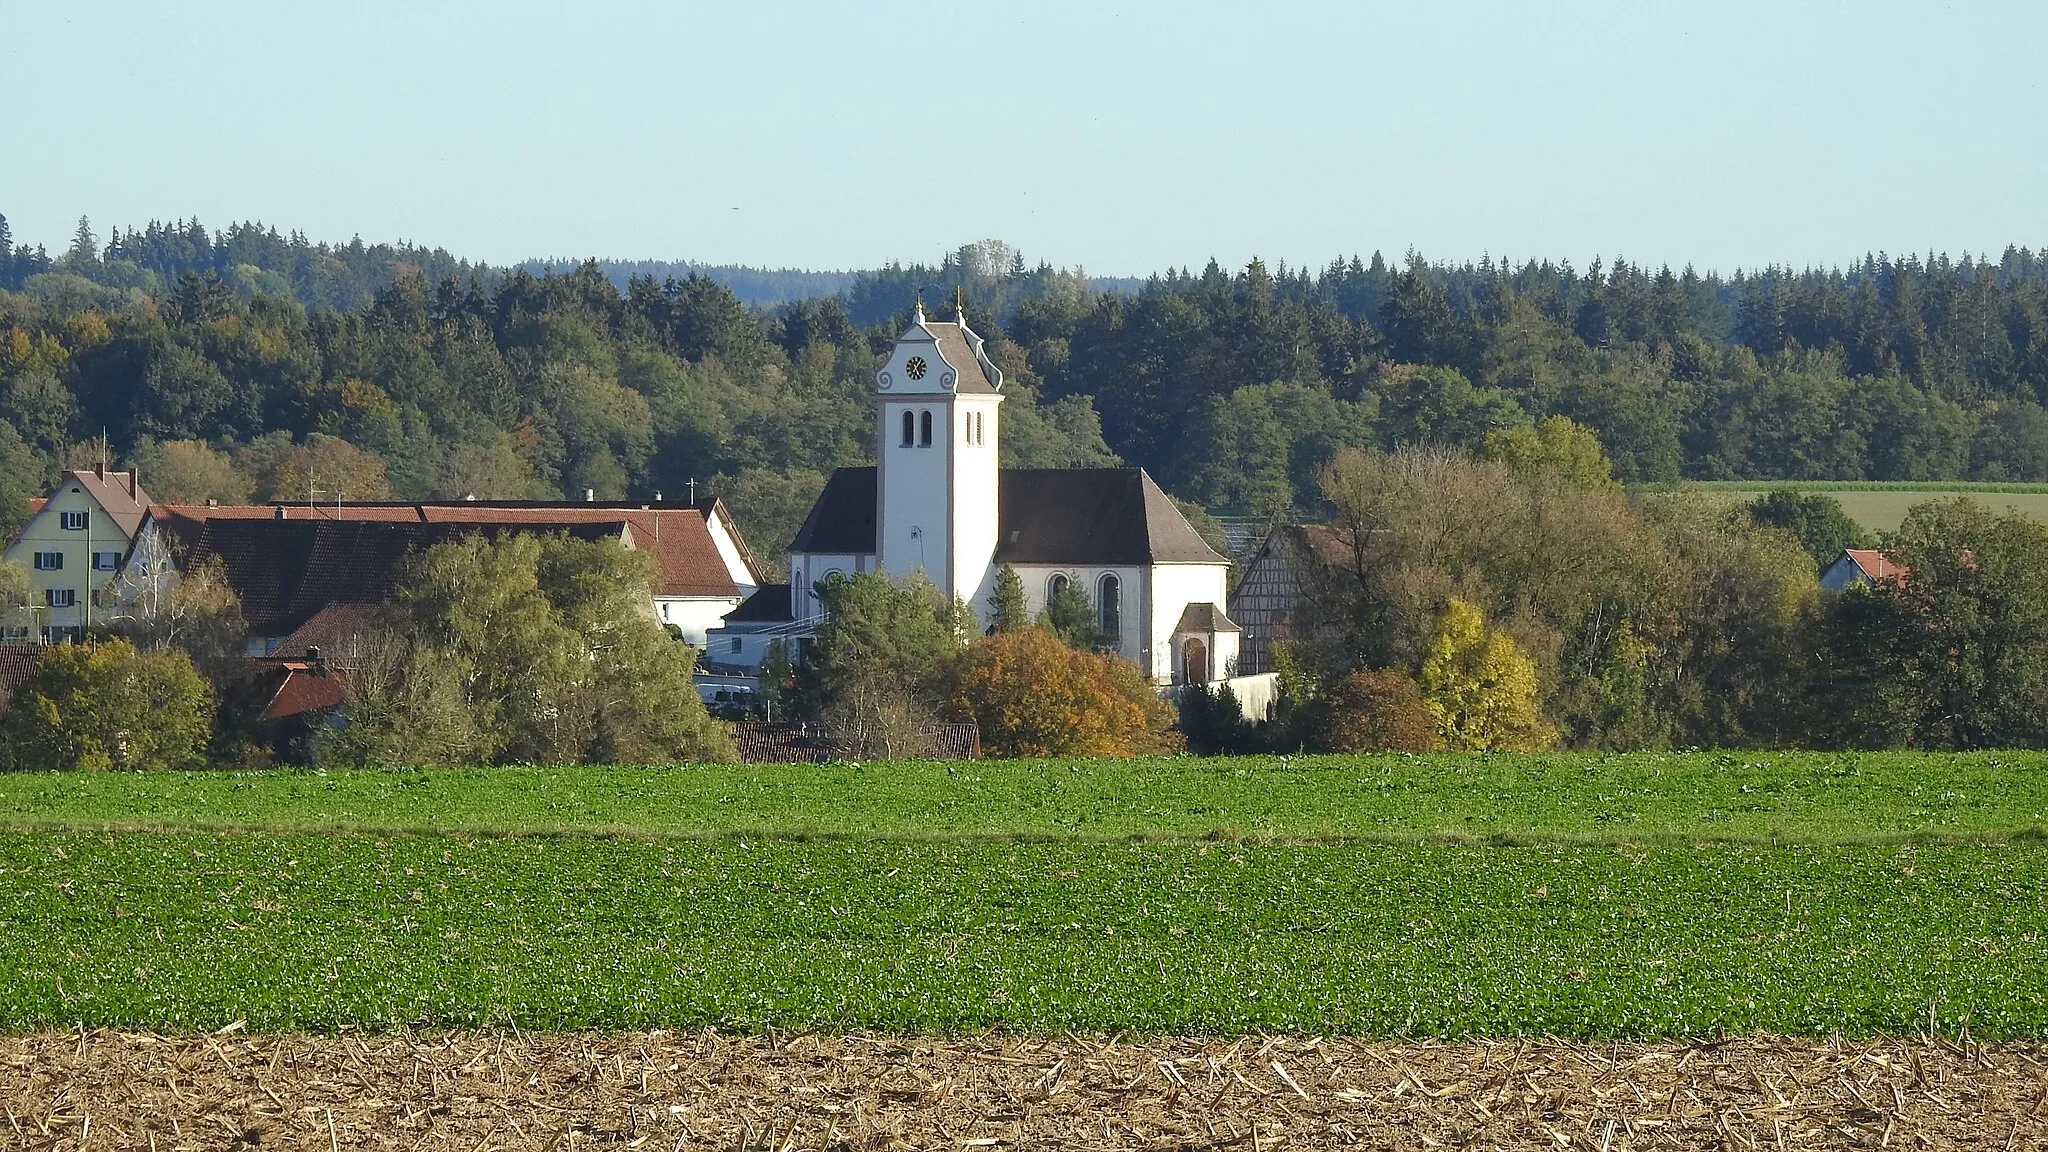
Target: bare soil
[789, 1092]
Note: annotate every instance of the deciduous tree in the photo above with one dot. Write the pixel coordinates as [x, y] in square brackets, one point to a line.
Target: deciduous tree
[1480, 689]
[1032, 695]
[107, 707]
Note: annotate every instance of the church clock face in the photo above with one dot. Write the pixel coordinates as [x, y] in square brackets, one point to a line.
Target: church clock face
[914, 368]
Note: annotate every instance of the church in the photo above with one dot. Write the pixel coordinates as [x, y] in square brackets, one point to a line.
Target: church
[937, 502]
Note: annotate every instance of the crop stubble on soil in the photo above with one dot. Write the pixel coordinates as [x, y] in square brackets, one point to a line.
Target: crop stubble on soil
[475, 1090]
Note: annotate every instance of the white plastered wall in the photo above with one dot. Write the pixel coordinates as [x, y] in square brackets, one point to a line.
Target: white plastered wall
[1037, 580]
[1174, 587]
[807, 568]
[695, 615]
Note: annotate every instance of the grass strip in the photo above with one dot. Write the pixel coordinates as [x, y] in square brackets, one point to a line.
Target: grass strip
[1648, 798]
[288, 932]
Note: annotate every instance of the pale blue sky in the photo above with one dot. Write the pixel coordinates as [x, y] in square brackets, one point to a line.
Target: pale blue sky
[1122, 135]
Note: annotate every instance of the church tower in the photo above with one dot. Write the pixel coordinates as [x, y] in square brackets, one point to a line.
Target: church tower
[935, 456]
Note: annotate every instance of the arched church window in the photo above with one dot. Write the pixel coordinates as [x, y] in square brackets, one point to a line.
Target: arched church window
[1109, 605]
[978, 429]
[1054, 586]
[924, 428]
[909, 427]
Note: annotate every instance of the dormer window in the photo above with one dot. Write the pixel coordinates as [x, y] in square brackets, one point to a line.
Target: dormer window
[909, 428]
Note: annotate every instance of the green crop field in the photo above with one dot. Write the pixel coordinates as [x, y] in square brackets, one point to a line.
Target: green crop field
[1882, 507]
[1768, 798]
[1632, 895]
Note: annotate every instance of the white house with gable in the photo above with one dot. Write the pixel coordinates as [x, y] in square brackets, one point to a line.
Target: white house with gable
[72, 547]
[937, 502]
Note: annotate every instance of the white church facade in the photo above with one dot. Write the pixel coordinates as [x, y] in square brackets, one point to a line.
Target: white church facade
[937, 502]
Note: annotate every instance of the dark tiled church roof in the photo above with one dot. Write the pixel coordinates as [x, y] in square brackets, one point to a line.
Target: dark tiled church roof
[843, 519]
[1045, 516]
[1092, 516]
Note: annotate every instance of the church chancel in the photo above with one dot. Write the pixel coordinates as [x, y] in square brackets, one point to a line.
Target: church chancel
[938, 502]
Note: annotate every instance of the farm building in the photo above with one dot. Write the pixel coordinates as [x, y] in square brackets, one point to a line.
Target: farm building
[703, 566]
[1856, 566]
[1274, 590]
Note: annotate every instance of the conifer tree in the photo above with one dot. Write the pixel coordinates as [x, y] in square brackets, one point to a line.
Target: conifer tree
[1006, 608]
[85, 247]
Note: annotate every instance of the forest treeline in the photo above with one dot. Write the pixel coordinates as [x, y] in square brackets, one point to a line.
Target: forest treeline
[212, 357]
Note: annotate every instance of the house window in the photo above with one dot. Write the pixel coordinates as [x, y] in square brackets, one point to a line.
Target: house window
[909, 428]
[105, 561]
[57, 635]
[1109, 603]
[71, 521]
[60, 597]
[733, 646]
[924, 429]
[49, 561]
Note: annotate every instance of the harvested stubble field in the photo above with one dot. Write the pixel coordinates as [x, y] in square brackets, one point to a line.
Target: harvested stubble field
[798, 1092]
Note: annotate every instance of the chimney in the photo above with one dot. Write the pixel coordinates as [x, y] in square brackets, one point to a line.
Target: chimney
[657, 497]
[134, 483]
[590, 495]
[280, 511]
[471, 496]
[318, 661]
[100, 469]
[213, 501]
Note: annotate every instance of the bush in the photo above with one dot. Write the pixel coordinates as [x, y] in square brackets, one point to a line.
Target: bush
[108, 707]
[1375, 710]
[1031, 695]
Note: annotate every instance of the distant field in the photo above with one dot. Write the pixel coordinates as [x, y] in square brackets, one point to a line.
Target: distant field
[1645, 895]
[1882, 507]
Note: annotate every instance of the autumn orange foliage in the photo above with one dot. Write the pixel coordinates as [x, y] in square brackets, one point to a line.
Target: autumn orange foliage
[1032, 695]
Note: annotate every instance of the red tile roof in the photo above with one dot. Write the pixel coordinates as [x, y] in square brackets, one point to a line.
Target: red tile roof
[18, 662]
[1875, 564]
[302, 689]
[118, 493]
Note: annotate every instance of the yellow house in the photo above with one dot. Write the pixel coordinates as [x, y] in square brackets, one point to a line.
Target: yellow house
[71, 548]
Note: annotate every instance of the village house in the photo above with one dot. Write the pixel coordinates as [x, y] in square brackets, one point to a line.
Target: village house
[1865, 566]
[73, 544]
[938, 503]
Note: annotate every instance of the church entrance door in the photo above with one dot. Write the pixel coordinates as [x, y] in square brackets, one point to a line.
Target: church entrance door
[1194, 662]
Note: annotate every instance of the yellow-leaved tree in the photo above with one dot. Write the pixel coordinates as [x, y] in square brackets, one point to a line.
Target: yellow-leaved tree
[1480, 688]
